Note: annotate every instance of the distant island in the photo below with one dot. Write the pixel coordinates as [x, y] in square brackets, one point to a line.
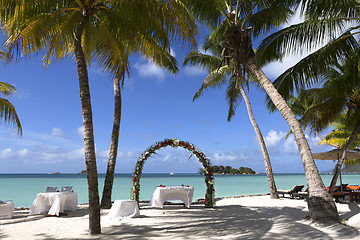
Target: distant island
[222, 170]
[351, 169]
[82, 172]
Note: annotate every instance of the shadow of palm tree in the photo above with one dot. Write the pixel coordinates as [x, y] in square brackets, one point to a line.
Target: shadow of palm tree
[229, 222]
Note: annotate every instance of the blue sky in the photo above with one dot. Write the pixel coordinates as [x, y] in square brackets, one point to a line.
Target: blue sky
[156, 105]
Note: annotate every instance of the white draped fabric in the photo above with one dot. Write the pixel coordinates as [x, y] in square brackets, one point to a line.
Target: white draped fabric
[162, 194]
[6, 209]
[54, 203]
[124, 208]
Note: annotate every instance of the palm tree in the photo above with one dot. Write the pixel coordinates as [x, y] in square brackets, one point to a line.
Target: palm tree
[159, 56]
[246, 19]
[340, 92]
[332, 22]
[109, 177]
[218, 77]
[340, 134]
[84, 27]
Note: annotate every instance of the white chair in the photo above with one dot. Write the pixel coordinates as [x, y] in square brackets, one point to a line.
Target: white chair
[66, 188]
[51, 189]
[6, 209]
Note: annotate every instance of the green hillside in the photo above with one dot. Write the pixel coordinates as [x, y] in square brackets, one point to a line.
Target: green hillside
[351, 169]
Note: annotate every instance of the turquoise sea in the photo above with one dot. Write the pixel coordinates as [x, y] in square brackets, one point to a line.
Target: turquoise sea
[22, 188]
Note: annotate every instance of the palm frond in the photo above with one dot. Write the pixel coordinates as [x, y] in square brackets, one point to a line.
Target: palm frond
[233, 97]
[6, 89]
[8, 114]
[309, 70]
[205, 61]
[299, 38]
[215, 79]
[269, 19]
[316, 9]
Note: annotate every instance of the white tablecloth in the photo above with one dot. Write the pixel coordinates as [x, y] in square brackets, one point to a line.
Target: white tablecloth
[6, 209]
[54, 203]
[162, 194]
[124, 208]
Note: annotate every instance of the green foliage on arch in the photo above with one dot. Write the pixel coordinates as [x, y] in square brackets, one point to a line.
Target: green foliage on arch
[209, 179]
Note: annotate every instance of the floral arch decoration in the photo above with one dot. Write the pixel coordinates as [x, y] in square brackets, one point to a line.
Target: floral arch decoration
[209, 179]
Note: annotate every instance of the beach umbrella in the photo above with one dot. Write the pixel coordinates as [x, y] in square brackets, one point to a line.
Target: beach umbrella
[335, 155]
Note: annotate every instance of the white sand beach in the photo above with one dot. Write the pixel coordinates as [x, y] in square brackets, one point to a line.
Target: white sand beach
[256, 217]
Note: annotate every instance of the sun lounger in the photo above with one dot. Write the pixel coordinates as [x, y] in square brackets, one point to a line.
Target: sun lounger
[302, 194]
[295, 189]
[51, 189]
[66, 188]
[338, 195]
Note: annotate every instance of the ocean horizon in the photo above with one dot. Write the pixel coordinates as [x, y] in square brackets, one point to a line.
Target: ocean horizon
[22, 188]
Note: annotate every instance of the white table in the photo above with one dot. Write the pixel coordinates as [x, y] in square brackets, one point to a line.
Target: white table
[6, 209]
[162, 194]
[124, 208]
[54, 203]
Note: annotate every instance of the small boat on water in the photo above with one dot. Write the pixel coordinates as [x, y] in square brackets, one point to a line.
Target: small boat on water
[172, 173]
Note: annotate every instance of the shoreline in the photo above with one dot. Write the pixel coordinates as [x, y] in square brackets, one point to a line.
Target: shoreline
[237, 217]
[197, 201]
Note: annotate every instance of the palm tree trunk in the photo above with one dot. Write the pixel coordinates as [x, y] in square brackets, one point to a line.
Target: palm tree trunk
[343, 155]
[320, 203]
[109, 178]
[270, 176]
[89, 145]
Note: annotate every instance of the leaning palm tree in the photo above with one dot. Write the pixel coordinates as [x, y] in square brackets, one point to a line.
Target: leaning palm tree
[338, 100]
[247, 19]
[235, 91]
[334, 23]
[159, 56]
[82, 27]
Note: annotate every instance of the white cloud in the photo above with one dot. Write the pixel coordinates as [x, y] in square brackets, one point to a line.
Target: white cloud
[128, 155]
[275, 69]
[80, 131]
[166, 158]
[290, 146]
[42, 154]
[7, 153]
[172, 52]
[194, 71]
[224, 157]
[23, 153]
[297, 18]
[150, 70]
[57, 132]
[102, 154]
[273, 138]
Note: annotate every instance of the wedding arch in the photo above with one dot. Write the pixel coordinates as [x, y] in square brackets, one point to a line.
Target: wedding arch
[209, 179]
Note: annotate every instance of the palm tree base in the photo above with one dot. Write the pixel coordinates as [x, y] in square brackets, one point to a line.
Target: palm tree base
[320, 210]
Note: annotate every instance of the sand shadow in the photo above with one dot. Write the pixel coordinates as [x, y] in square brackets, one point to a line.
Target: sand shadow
[228, 222]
